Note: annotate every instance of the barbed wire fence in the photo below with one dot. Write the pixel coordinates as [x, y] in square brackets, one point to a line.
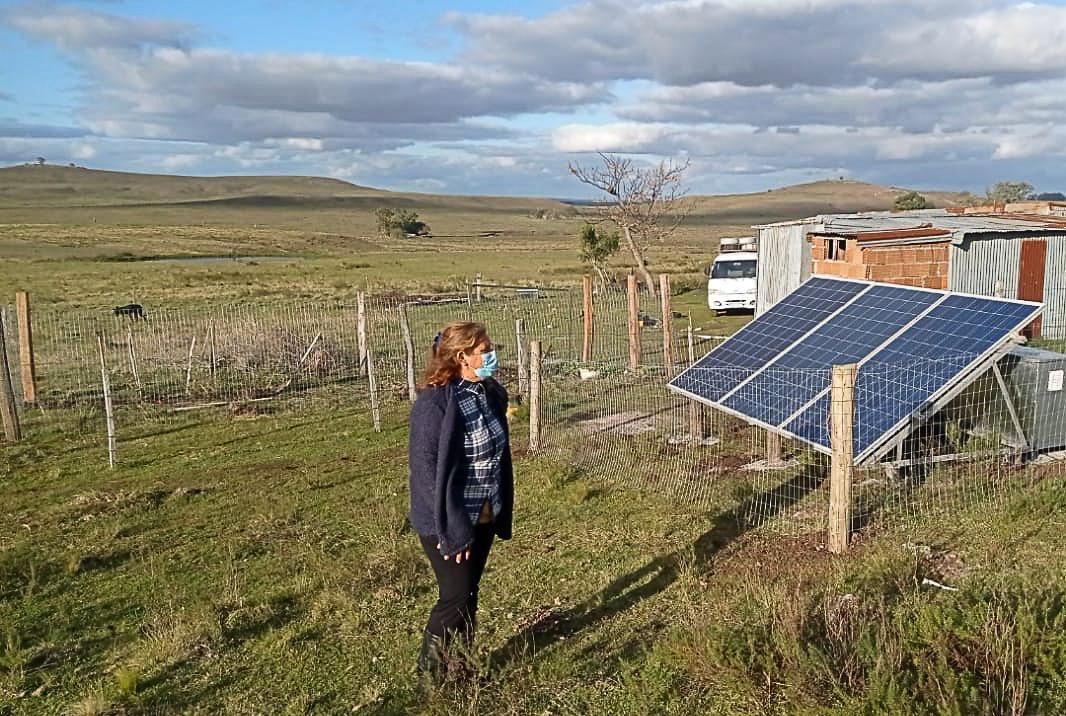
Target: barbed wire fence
[605, 359]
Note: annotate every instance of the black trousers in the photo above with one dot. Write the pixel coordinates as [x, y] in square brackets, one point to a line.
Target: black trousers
[455, 613]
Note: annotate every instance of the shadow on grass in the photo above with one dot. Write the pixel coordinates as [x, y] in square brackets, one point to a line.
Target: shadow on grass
[658, 574]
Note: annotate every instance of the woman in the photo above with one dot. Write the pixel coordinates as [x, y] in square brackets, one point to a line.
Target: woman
[462, 484]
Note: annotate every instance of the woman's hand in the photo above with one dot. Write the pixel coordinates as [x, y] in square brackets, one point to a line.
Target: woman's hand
[459, 557]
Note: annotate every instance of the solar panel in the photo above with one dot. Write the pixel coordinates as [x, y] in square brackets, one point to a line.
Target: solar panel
[912, 346]
[750, 348]
[846, 337]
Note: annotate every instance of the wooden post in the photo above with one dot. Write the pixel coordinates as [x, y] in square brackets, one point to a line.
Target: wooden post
[695, 408]
[586, 349]
[214, 353]
[534, 396]
[841, 420]
[26, 357]
[188, 366]
[520, 347]
[668, 331]
[8, 409]
[372, 379]
[634, 322]
[409, 351]
[775, 456]
[477, 288]
[360, 332]
[108, 410]
[132, 352]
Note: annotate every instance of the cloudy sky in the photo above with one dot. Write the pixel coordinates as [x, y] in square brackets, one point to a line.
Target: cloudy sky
[469, 97]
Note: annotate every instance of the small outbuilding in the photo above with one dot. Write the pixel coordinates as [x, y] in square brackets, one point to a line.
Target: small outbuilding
[1012, 251]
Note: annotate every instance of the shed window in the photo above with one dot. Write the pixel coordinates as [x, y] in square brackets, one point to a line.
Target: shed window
[836, 249]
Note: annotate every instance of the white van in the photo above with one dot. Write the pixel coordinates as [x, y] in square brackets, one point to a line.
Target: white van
[731, 278]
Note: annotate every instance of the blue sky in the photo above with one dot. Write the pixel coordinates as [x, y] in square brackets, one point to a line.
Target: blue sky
[481, 97]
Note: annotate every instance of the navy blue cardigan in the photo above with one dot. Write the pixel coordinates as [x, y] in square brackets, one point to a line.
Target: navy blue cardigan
[436, 454]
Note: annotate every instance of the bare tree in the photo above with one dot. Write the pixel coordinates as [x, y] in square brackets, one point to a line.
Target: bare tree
[646, 202]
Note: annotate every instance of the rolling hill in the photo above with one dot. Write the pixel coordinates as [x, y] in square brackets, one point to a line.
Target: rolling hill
[26, 187]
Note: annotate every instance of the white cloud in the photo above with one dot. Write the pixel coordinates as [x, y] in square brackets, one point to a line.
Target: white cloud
[1018, 41]
[77, 28]
[620, 137]
[782, 43]
[175, 162]
[305, 144]
[958, 91]
[83, 150]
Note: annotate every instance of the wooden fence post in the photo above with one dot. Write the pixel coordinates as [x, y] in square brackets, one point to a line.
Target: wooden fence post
[132, 351]
[668, 331]
[841, 418]
[520, 348]
[105, 379]
[409, 351]
[372, 380]
[534, 396]
[775, 456]
[360, 331]
[214, 354]
[477, 288]
[697, 430]
[634, 322]
[26, 356]
[188, 366]
[586, 349]
[8, 409]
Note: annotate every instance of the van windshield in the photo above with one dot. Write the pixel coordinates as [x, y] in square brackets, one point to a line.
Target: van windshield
[733, 269]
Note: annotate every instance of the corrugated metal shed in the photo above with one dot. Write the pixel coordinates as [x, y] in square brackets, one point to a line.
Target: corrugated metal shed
[1054, 325]
[986, 245]
[984, 267]
[784, 262]
[959, 226]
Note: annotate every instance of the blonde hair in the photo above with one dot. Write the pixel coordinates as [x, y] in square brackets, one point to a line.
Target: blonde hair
[456, 337]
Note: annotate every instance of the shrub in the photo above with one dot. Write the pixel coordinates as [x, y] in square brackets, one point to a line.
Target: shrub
[910, 200]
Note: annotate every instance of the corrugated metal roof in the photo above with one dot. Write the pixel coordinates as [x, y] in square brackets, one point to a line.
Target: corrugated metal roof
[936, 220]
[926, 231]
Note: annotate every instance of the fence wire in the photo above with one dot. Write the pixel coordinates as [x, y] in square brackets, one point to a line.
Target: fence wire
[614, 422]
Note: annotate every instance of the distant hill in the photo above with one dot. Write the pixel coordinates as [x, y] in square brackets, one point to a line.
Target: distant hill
[47, 185]
[54, 187]
[802, 200]
[27, 186]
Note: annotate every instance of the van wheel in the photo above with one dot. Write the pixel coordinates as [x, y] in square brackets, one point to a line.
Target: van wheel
[717, 313]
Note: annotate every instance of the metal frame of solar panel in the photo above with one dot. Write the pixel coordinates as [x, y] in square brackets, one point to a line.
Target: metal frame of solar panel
[775, 371]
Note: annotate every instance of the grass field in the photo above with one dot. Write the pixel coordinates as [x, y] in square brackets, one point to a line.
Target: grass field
[258, 560]
[261, 564]
[80, 238]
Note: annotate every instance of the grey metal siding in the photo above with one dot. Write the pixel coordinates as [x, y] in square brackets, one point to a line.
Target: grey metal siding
[978, 265]
[784, 263]
[1054, 323]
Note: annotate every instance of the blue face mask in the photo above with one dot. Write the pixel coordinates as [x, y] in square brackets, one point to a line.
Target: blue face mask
[489, 364]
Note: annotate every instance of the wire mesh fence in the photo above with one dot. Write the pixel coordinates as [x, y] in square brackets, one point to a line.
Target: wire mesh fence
[611, 416]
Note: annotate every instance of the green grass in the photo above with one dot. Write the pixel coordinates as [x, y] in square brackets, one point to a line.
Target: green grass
[73, 237]
[261, 563]
[258, 560]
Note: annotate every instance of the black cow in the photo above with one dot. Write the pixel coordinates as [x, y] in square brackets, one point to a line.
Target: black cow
[133, 310]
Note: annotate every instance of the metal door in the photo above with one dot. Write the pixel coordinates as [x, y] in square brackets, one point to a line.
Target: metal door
[1031, 278]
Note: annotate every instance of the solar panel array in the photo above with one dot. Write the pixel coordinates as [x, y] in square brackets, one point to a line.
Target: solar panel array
[911, 345]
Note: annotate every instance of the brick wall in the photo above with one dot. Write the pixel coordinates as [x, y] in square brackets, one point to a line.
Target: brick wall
[923, 265]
